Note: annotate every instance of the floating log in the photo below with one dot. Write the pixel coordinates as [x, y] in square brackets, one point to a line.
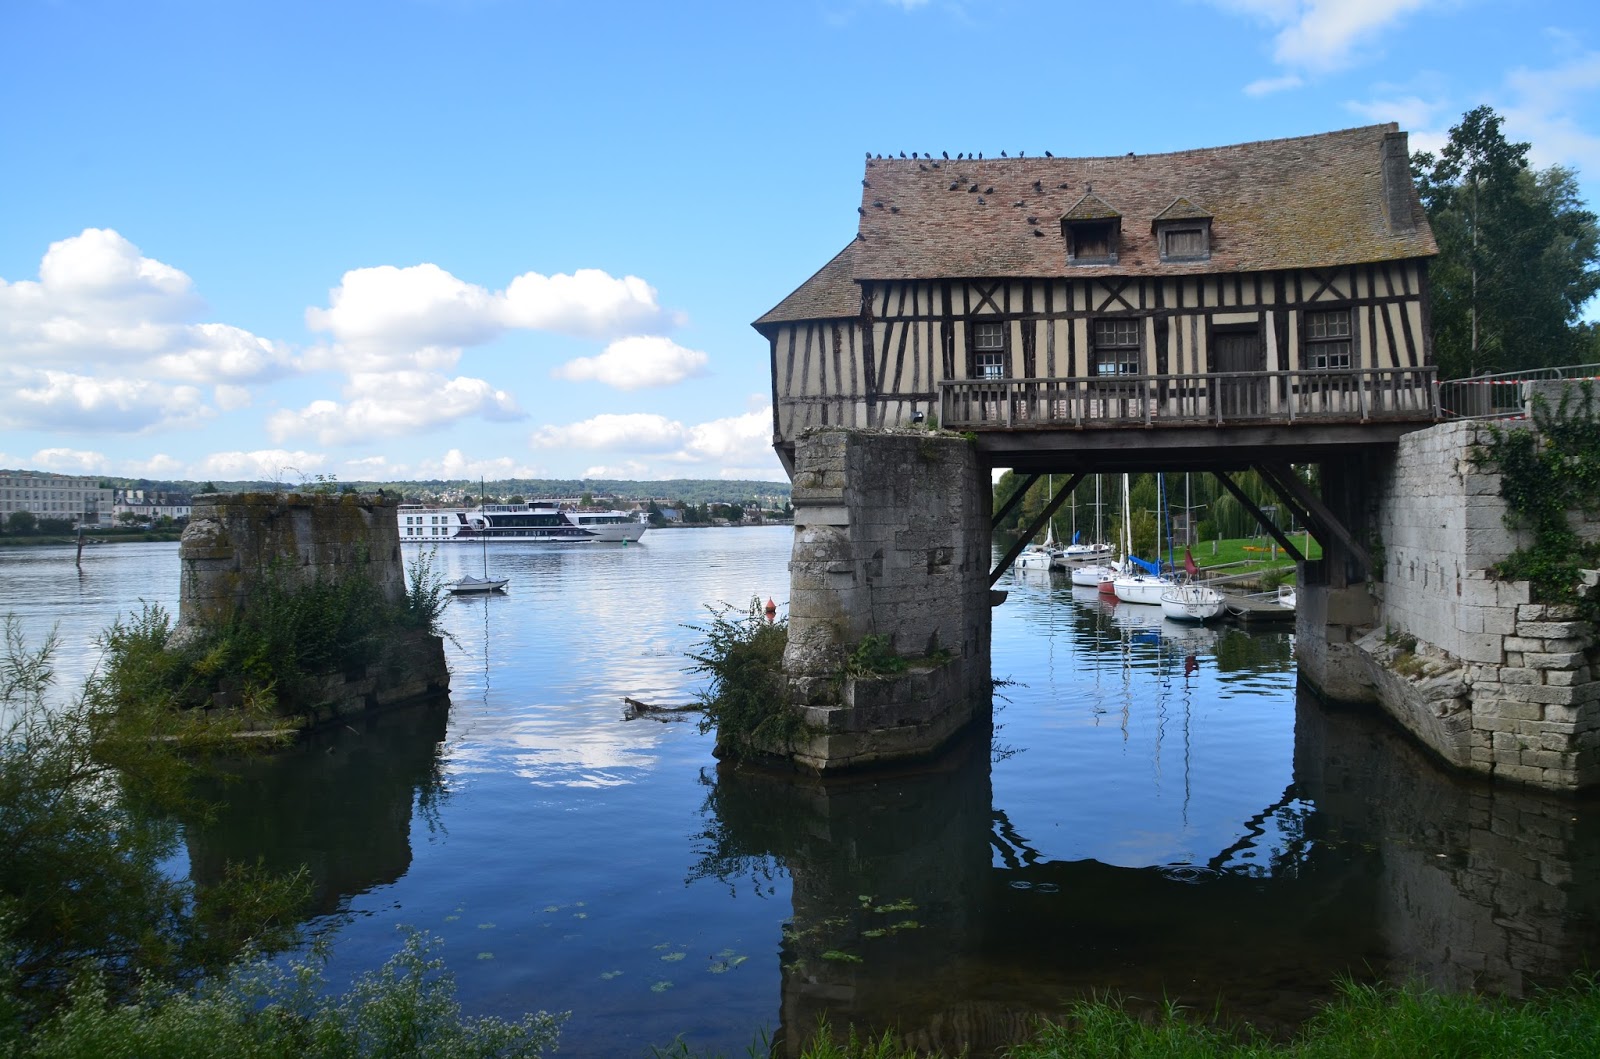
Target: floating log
[633, 709]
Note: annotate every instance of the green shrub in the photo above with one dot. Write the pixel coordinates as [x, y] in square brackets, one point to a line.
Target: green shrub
[746, 700]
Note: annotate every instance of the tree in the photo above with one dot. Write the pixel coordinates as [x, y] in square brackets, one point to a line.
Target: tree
[1517, 255]
[22, 523]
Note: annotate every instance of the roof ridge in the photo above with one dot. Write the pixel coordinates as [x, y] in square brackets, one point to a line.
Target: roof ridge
[1386, 126]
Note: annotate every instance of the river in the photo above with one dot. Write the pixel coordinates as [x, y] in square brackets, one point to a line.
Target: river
[1161, 813]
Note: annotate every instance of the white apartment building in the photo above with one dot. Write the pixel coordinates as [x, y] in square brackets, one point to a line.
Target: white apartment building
[79, 500]
[149, 504]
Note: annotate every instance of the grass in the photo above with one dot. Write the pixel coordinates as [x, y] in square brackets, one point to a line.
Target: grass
[1372, 1022]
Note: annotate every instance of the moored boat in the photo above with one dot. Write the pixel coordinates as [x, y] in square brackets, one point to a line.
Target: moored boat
[1192, 602]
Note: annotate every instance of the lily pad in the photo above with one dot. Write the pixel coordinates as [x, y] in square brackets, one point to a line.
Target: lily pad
[660, 987]
[673, 957]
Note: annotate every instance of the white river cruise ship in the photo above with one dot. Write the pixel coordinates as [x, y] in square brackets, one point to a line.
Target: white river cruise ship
[536, 521]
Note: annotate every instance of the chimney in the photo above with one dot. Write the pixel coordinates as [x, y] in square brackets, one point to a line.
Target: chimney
[1397, 189]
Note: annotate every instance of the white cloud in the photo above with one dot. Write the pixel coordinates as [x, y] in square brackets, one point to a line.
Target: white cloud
[70, 461]
[589, 302]
[1541, 108]
[636, 430]
[628, 471]
[453, 464]
[1266, 86]
[61, 400]
[273, 465]
[728, 445]
[637, 362]
[1320, 36]
[389, 312]
[99, 305]
[392, 404]
[422, 316]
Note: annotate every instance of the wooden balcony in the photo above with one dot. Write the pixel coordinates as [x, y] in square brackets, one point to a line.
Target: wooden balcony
[1346, 396]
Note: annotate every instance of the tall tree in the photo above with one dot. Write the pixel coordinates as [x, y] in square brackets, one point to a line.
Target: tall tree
[1517, 253]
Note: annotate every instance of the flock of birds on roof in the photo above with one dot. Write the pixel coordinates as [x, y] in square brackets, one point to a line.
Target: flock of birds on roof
[962, 157]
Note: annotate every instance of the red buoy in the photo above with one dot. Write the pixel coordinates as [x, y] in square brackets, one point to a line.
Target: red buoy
[771, 609]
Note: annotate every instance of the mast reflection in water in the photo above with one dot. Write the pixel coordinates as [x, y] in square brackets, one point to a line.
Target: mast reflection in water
[1157, 814]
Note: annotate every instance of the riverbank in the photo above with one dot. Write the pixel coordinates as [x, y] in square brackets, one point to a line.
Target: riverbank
[89, 539]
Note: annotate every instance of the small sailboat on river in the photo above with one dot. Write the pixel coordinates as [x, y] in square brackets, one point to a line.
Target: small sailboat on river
[469, 585]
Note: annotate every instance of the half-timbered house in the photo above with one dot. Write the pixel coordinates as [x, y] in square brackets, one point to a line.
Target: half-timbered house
[1281, 281]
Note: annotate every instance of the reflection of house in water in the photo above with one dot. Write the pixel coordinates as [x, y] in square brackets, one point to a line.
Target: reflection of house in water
[340, 802]
[917, 907]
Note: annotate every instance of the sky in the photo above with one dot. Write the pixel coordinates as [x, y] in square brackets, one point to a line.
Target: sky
[377, 241]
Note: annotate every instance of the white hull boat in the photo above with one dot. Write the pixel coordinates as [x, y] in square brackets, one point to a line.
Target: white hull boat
[1035, 557]
[1086, 553]
[470, 584]
[1143, 589]
[1286, 596]
[1092, 575]
[1191, 602]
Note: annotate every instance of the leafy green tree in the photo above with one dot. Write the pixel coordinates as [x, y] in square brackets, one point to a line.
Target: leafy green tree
[1517, 253]
[84, 823]
[22, 523]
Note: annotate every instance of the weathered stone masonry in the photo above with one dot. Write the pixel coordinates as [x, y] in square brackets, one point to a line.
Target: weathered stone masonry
[235, 541]
[891, 539]
[1488, 679]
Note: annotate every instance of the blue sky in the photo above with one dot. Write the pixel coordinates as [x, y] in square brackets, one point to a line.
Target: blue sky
[463, 238]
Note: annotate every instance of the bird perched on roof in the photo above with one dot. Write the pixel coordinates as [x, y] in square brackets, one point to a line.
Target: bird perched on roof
[945, 155]
[1037, 232]
[861, 210]
[973, 190]
[1033, 220]
[980, 156]
[980, 200]
[878, 203]
[1019, 204]
[1002, 154]
[865, 182]
[1038, 185]
[1021, 153]
[922, 167]
[902, 154]
[894, 209]
[954, 184]
[988, 191]
[869, 154]
[1047, 154]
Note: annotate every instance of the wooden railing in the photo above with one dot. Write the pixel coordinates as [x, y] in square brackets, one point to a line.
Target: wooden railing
[1350, 395]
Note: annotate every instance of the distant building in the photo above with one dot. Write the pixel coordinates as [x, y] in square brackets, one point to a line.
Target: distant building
[149, 504]
[82, 501]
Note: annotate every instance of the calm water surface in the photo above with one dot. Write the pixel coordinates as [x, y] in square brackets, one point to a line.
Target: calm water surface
[1159, 814]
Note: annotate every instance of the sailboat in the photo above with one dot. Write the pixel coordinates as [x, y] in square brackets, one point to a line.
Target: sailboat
[1093, 551]
[1140, 581]
[1190, 601]
[1041, 556]
[467, 584]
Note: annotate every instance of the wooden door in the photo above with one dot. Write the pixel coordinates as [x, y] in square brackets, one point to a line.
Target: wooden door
[1238, 352]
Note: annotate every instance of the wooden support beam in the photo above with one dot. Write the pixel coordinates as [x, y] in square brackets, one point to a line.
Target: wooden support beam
[1320, 515]
[1260, 516]
[1016, 498]
[1022, 541]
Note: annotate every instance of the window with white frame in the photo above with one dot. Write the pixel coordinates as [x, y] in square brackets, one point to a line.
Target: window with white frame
[1328, 339]
[988, 351]
[1116, 346]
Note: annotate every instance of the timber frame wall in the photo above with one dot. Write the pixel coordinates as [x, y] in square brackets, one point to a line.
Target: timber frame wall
[876, 369]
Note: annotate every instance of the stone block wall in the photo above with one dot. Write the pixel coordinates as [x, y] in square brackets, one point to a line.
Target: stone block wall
[1491, 681]
[234, 540]
[891, 539]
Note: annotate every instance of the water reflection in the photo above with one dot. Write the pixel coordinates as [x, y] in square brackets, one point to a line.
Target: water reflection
[340, 802]
[919, 906]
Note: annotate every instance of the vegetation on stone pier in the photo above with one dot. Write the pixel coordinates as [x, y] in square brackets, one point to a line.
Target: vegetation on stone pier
[1547, 474]
[746, 699]
[266, 658]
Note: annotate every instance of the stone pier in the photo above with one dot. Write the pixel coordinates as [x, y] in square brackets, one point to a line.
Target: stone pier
[891, 541]
[236, 543]
[1489, 680]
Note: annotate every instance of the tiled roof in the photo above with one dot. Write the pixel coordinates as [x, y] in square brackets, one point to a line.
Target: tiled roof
[1181, 210]
[829, 294]
[1307, 202]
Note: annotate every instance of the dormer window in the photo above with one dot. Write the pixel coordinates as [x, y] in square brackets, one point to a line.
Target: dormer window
[1092, 230]
[1183, 232]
